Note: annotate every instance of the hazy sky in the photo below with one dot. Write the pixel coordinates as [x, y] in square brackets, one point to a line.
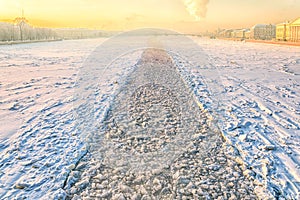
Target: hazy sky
[180, 15]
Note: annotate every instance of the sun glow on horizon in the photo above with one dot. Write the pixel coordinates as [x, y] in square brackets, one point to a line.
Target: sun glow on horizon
[180, 15]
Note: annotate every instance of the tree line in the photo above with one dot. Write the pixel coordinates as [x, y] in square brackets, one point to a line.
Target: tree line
[20, 30]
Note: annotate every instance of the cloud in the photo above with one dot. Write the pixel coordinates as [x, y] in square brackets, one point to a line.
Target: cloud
[196, 8]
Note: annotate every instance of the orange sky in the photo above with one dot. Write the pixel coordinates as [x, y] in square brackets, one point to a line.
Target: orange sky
[180, 15]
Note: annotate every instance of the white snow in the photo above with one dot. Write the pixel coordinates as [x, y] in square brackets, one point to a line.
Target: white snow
[41, 140]
[258, 95]
[37, 137]
[251, 89]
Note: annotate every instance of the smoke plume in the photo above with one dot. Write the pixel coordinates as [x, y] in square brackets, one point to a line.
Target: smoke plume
[196, 8]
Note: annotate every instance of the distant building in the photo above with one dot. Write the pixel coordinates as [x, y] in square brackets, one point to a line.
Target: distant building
[239, 33]
[247, 34]
[225, 33]
[258, 32]
[295, 31]
[234, 34]
[263, 32]
[283, 32]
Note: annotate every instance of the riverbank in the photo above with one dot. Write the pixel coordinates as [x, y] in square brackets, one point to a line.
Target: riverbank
[263, 41]
[27, 41]
[275, 42]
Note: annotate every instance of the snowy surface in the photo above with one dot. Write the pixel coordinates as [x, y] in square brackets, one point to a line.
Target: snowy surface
[254, 94]
[38, 140]
[259, 108]
[41, 136]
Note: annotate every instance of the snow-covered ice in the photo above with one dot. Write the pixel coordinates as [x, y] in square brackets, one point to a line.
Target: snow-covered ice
[252, 91]
[41, 140]
[259, 108]
[37, 137]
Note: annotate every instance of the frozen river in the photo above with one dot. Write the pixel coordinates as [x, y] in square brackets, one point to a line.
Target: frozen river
[252, 90]
[36, 75]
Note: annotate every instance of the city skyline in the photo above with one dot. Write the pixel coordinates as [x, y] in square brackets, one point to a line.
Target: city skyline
[180, 15]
